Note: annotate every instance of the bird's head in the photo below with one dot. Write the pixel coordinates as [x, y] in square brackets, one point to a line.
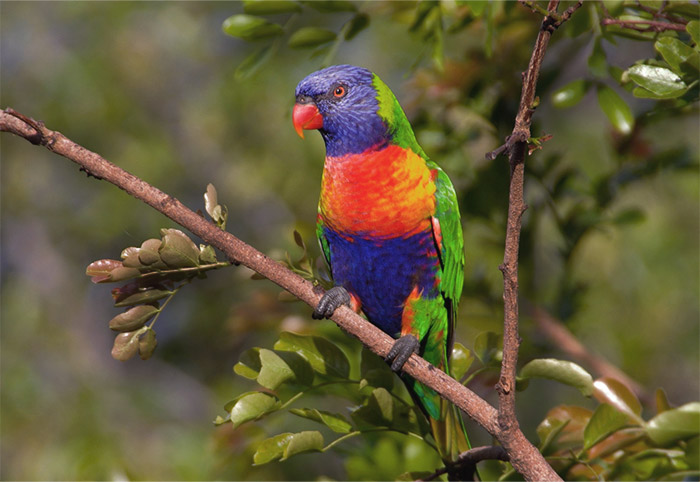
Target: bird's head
[343, 103]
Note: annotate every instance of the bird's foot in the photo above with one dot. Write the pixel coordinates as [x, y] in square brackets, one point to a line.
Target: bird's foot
[331, 300]
[402, 350]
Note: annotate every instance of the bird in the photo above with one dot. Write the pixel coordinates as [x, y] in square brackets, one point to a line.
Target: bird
[389, 228]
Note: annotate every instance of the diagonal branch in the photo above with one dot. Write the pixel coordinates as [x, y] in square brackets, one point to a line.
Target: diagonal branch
[523, 455]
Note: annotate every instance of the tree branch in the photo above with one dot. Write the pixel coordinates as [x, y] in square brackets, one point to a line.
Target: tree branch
[516, 147]
[523, 455]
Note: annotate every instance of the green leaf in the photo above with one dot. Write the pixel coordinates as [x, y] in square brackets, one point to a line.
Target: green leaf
[604, 421]
[597, 61]
[274, 371]
[476, 6]
[307, 37]
[334, 421]
[309, 441]
[303, 373]
[487, 348]
[178, 250]
[662, 403]
[272, 448]
[249, 364]
[381, 400]
[133, 318]
[250, 27]
[381, 409]
[252, 406]
[254, 62]
[616, 110]
[324, 357]
[285, 445]
[462, 359]
[686, 9]
[330, 6]
[375, 371]
[270, 7]
[675, 424]
[693, 29]
[271, 369]
[564, 424]
[549, 433]
[570, 94]
[659, 80]
[692, 453]
[562, 371]
[675, 52]
[609, 390]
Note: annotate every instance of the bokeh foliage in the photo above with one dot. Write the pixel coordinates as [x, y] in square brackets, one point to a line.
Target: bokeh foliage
[610, 241]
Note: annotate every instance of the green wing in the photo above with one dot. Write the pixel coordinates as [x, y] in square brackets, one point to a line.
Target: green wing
[450, 246]
[325, 247]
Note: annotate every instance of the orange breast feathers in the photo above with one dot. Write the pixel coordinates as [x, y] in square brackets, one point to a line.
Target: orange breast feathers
[386, 193]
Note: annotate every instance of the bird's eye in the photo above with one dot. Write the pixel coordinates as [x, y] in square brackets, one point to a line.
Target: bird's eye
[339, 91]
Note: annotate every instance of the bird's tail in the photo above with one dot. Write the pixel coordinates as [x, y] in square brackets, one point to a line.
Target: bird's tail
[449, 432]
[446, 425]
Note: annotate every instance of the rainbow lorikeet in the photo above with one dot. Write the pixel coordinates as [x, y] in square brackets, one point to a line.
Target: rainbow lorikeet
[389, 227]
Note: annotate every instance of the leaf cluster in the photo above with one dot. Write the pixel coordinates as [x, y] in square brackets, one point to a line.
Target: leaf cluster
[614, 441]
[611, 442]
[154, 273]
[672, 76]
[273, 22]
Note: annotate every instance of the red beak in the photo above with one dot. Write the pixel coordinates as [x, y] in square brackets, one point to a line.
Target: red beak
[306, 116]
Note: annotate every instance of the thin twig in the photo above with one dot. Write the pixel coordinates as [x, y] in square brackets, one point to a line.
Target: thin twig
[644, 25]
[470, 458]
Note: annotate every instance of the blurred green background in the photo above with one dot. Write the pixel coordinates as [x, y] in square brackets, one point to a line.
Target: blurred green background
[152, 87]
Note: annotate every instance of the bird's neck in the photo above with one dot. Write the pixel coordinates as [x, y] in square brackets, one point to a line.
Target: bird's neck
[383, 192]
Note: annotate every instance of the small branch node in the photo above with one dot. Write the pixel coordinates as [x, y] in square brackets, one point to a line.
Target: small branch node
[497, 152]
[89, 174]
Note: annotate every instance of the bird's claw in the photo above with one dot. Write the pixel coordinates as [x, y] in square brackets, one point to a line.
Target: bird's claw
[402, 350]
[331, 300]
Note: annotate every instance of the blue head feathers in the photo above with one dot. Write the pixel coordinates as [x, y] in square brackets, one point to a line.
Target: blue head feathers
[346, 98]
